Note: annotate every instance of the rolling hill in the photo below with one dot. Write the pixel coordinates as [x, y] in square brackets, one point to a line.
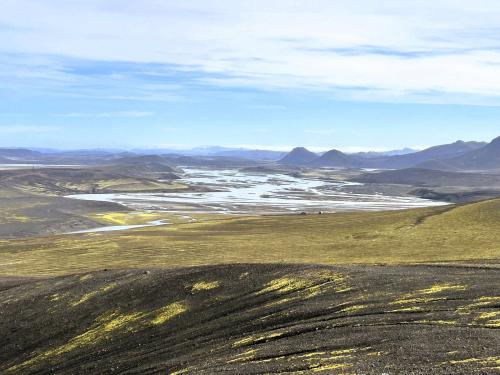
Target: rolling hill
[64, 181]
[147, 166]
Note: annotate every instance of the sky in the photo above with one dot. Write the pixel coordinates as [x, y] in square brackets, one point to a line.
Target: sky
[269, 74]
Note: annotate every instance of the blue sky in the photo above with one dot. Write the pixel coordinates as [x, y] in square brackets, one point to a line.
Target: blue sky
[373, 75]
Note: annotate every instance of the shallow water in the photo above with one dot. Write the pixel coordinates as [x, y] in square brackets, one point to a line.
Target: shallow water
[112, 228]
[252, 193]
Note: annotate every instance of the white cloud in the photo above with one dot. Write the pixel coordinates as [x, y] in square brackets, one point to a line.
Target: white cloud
[391, 50]
[30, 129]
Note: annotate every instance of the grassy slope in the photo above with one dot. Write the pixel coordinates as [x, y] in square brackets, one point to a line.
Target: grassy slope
[455, 233]
[51, 182]
[31, 201]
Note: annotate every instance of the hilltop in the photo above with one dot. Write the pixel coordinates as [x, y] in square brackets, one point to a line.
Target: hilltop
[298, 156]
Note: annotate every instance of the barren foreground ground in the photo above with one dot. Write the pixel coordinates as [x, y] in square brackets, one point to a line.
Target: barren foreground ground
[253, 319]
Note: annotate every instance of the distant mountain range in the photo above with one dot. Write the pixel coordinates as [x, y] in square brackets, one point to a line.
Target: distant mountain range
[374, 154]
[459, 155]
[243, 153]
[301, 156]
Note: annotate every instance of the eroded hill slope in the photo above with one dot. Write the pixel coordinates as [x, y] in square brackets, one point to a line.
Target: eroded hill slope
[253, 319]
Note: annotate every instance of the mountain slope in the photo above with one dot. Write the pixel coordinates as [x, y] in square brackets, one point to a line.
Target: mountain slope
[298, 156]
[484, 158]
[335, 158]
[430, 177]
[431, 153]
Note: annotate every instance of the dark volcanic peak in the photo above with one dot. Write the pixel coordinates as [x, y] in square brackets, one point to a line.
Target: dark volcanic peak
[336, 158]
[298, 156]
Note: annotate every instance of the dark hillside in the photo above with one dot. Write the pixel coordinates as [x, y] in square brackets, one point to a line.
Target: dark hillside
[485, 158]
[254, 319]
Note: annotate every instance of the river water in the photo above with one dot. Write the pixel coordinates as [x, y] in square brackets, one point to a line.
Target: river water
[237, 192]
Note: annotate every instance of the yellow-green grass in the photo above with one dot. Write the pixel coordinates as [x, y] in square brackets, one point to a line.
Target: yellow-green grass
[443, 234]
[144, 217]
[13, 218]
[132, 184]
[121, 184]
[125, 184]
[127, 218]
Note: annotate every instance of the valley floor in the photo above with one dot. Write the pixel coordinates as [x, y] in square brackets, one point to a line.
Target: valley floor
[397, 292]
[461, 233]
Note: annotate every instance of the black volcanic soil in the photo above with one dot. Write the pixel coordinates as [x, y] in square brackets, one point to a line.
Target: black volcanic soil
[254, 319]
